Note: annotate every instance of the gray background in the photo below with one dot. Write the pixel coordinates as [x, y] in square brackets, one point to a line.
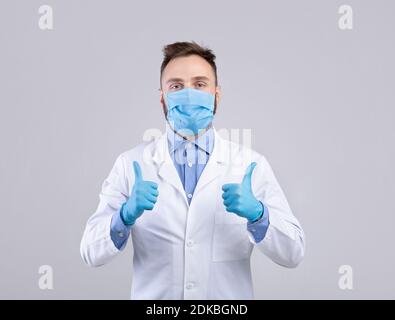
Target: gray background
[318, 100]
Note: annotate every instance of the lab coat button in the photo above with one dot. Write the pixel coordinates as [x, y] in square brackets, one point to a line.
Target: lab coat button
[189, 164]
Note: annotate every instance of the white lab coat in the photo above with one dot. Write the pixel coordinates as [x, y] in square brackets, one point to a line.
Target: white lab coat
[196, 251]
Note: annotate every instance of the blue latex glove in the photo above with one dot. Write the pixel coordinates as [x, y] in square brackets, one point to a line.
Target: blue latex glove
[143, 197]
[239, 199]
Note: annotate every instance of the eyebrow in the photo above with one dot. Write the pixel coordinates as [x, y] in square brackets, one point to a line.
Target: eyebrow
[174, 80]
[193, 78]
[201, 78]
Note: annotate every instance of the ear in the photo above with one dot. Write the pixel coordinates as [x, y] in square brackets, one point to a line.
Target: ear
[217, 97]
[161, 98]
[218, 94]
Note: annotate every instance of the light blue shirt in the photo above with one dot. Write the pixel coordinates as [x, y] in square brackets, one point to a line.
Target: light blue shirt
[190, 159]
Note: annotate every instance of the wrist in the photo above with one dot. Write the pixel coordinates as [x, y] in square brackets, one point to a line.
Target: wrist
[124, 216]
[259, 212]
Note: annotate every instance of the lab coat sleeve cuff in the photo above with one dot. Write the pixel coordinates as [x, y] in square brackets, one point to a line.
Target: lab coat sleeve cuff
[119, 231]
[259, 228]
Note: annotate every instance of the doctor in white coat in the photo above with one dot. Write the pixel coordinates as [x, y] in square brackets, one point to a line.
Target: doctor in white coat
[194, 204]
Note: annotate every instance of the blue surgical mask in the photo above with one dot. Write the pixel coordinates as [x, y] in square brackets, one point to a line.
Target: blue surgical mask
[189, 110]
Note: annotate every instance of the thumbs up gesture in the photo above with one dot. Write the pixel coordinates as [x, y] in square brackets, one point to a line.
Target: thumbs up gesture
[239, 199]
[143, 197]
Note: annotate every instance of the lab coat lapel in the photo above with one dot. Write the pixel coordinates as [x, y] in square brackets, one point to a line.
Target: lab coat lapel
[165, 166]
[216, 164]
[207, 192]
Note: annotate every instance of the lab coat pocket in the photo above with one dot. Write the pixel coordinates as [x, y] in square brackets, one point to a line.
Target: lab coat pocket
[230, 242]
[230, 238]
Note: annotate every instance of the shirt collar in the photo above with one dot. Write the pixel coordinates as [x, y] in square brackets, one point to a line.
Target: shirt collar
[205, 142]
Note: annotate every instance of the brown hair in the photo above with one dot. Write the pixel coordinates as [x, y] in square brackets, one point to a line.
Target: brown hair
[183, 49]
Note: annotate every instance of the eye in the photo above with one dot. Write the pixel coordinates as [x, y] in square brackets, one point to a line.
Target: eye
[201, 84]
[175, 86]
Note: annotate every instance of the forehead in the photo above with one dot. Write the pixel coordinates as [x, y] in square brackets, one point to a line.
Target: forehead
[187, 67]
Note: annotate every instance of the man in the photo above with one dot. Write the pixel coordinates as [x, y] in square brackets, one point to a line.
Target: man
[193, 203]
